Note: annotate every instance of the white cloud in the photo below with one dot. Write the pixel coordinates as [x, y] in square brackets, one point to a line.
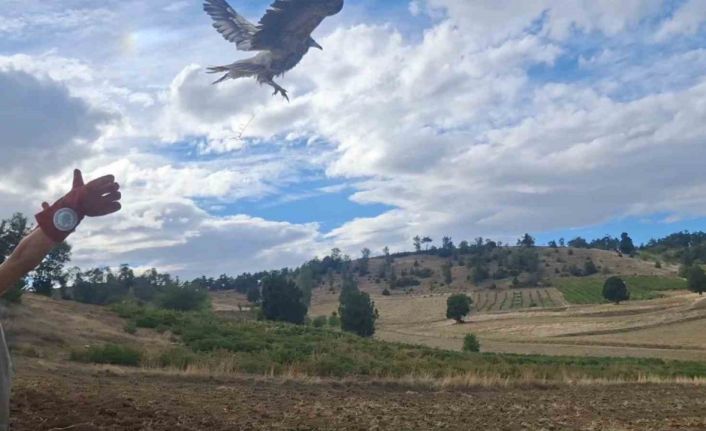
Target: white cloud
[452, 130]
[493, 20]
[40, 122]
[686, 20]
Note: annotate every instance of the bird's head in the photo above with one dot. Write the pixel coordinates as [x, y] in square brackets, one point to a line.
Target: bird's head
[314, 44]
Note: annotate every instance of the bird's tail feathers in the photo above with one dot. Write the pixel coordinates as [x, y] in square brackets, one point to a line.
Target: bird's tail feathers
[234, 71]
[221, 79]
[217, 69]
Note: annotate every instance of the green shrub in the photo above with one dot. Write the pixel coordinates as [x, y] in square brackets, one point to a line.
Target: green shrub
[282, 300]
[264, 347]
[130, 327]
[470, 343]
[615, 290]
[334, 321]
[113, 354]
[14, 294]
[358, 313]
[458, 306]
[406, 282]
[319, 321]
[178, 357]
[183, 298]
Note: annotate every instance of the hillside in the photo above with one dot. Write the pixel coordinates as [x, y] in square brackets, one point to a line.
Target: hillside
[53, 393]
[553, 265]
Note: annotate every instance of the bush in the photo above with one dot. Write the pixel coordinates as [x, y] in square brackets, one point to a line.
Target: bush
[615, 290]
[130, 327]
[183, 298]
[658, 264]
[696, 280]
[407, 282]
[422, 273]
[14, 294]
[112, 354]
[334, 321]
[319, 321]
[446, 273]
[480, 274]
[386, 292]
[282, 300]
[458, 306]
[178, 357]
[358, 313]
[589, 268]
[471, 344]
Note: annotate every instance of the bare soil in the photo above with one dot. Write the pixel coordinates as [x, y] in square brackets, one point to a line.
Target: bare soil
[69, 397]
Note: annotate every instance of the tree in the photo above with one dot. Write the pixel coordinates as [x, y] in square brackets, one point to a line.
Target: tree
[50, 273]
[183, 298]
[696, 280]
[306, 283]
[417, 241]
[427, 240]
[464, 247]
[282, 300]
[615, 290]
[446, 273]
[562, 242]
[11, 233]
[578, 242]
[253, 295]
[458, 306]
[447, 247]
[358, 313]
[364, 264]
[553, 244]
[471, 344]
[126, 277]
[480, 273]
[626, 244]
[526, 241]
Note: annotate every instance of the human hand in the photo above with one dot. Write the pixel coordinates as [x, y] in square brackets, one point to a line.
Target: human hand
[98, 198]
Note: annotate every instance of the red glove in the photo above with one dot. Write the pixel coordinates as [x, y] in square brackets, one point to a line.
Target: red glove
[98, 198]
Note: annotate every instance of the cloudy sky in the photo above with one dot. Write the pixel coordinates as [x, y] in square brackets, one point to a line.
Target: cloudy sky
[438, 117]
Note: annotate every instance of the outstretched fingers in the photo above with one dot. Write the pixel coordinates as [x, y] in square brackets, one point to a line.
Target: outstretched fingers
[78, 179]
[108, 208]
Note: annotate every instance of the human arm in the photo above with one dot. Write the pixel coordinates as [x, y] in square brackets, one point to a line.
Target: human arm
[27, 255]
[56, 222]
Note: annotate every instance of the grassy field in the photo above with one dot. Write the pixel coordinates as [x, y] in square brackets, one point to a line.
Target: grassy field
[589, 290]
[217, 344]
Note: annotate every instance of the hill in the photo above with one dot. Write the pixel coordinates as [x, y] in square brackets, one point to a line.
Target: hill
[51, 392]
[422, 274]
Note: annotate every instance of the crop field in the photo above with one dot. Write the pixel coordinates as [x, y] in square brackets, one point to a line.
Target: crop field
[589, 290]
[486, 301]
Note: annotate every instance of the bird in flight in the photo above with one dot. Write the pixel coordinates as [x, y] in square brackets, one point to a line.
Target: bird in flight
[282, 37]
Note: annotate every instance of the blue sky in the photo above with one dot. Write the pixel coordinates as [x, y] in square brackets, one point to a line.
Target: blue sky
[437, 117]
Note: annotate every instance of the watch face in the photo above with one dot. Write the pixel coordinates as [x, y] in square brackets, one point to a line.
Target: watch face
[65, 220]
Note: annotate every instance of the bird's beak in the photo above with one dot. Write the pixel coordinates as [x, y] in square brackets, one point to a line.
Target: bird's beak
[316, 45]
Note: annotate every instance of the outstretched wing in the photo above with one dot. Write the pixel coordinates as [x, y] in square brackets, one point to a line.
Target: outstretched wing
[290, 21]
[233, 27]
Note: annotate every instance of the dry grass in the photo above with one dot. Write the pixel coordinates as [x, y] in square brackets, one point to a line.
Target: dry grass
[668, 328]
[459, 381]
[48, 328]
